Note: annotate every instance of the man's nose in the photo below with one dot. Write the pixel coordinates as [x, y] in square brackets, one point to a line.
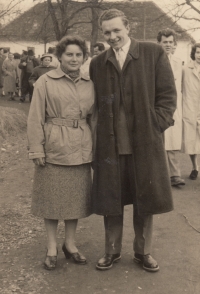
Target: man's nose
[112, 35]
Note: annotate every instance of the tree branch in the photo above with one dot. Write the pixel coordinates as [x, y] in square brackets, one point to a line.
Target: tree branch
[188, 2]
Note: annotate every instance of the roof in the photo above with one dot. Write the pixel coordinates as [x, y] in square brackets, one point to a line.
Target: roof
[145, 17]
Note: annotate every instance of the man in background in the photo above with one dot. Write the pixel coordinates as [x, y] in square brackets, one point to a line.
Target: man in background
[2, 58]
[173, 136]
[27, 64]
[98, 48]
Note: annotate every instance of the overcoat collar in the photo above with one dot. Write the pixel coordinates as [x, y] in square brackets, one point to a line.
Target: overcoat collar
[192, 66]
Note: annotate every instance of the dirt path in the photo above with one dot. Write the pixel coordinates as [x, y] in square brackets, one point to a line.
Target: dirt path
[22, 240]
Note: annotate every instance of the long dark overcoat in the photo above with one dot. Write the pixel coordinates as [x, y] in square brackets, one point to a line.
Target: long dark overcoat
[146, 86]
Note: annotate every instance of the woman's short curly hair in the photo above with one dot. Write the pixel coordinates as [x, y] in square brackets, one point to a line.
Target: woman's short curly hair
[71, 40]
[193, 51]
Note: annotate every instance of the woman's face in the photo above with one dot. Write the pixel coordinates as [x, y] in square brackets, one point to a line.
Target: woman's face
[46, 61]
[72, 58]
[197, 55]
[10, 56]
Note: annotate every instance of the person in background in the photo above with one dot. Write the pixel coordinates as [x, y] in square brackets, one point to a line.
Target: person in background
[134, 106]
[43, 68]
[10, 76]
[98, 49]
[86, 65]
[54, 61]
[174, 48]
[173, 135]
[191, 109]
[24, 53]
[60, 144]
[19, 72]
[27, 64]
[2, 58]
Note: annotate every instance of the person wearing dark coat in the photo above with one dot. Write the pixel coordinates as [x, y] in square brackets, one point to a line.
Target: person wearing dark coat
[43, 68]
[2, 58]
[27, 64]
[135, 102]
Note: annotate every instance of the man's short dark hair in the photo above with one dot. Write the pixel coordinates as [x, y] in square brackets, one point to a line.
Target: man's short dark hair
[193, 51]
[166, 33]
[25, 52]
[71, 40]
[30, 52]
[113, 13]
[100, 46]
[17, 55]
[51, 50]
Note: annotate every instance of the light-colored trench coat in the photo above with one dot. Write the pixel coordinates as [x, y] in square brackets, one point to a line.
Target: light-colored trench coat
[191, 110]
[58, 102]
[173, 135]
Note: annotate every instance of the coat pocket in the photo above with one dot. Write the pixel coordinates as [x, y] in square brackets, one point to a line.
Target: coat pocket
[154, 120]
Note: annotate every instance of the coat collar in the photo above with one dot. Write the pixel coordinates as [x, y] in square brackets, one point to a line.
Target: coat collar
[58, 73]
[133, 51]
[192, 66]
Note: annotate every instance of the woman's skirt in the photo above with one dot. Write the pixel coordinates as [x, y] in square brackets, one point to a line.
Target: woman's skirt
[62, 192]
[9, 84]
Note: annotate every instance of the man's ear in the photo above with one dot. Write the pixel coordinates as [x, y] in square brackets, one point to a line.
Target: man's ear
[128, 27]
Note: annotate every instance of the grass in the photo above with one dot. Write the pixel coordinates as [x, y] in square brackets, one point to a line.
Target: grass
[12, 121]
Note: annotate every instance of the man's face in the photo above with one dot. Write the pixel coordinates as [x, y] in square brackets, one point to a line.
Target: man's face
[167, 43]
[115, 32]
[96, 51]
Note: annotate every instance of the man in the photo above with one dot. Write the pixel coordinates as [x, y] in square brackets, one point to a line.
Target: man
[98, 48]
[27, 64]
[2, 58]
[135, 102]
[54, 62]
[173, 136]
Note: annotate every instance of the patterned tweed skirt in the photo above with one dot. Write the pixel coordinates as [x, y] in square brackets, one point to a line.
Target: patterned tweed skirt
[62, 192]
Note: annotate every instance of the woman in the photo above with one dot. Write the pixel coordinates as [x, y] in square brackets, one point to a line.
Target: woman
[60, 145]
[16, 61]
[191, 109]
[43, 68]
[10, 72]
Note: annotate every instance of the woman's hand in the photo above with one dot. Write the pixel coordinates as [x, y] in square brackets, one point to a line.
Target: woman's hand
[39, 161]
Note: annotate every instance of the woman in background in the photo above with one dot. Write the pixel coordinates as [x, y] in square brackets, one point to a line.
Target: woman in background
[43, 68]
[60, 144]
[191, 109]
[10, 76]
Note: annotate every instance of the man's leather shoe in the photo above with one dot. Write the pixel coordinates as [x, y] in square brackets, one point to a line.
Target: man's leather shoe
[194, 174]
[177, 181]
[148, 262]
[106, 262]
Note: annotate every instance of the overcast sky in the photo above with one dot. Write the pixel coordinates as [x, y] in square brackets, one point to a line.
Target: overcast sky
[164, 4]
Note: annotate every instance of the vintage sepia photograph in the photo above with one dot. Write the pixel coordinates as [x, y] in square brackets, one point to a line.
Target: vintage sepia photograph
[99, 146]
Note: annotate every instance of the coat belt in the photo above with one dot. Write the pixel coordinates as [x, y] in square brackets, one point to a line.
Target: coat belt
[74, 123]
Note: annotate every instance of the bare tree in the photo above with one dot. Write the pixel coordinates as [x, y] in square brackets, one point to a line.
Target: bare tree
[186, 10]
[10, 9]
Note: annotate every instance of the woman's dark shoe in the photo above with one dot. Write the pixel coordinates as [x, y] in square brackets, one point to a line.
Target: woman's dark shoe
[50, 262]
[77, 256]
[193, 174]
